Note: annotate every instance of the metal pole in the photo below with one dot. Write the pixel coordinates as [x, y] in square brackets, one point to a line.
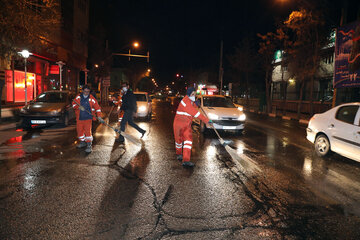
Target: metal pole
[86, 73]
[148, 57]
[221, 67]
[129, 54]
[34, 86]
[60, 66]
[25, 83]
[60, 77]
[13, 79]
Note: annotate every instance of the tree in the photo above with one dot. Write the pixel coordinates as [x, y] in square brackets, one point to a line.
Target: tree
[269, 43]
[27, 24]
[244, 61]
[308, 36]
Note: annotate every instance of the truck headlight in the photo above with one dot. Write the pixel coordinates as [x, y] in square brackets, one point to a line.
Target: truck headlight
[213, 116]
[142, 109]
[242, 117]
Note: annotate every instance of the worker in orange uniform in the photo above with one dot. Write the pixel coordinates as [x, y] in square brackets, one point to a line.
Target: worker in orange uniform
[185, 113]
[86, 107]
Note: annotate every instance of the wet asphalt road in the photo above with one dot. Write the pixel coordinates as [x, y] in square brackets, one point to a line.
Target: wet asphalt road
[51, 190]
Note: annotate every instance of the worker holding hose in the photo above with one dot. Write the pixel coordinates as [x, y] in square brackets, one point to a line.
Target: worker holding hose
[185, 113]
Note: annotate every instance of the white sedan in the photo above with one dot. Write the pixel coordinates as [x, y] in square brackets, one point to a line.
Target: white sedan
[144, 105]
[222, 111]
[337, 130]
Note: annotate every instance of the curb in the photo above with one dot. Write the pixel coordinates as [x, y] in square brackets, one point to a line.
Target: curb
[301, 121]
[272, 115]
[8, 126]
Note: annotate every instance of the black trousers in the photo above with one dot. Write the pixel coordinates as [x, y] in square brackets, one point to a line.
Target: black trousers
[128, 118]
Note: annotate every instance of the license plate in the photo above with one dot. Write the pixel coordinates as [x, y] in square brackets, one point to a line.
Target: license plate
[38, 121]
[229, 127]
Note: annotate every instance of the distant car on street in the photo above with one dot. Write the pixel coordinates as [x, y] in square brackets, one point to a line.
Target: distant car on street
[222, 111]
[337, 130]
[144, 105]
[51, 107]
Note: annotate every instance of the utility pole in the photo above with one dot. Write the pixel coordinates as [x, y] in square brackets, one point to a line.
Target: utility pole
[221, 70]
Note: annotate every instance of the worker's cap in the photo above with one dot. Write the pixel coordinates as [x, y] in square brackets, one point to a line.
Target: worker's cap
[190, 90]
[86, 87]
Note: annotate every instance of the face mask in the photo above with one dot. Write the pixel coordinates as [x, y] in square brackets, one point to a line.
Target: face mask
[192, 98]
[124, 89]
[85, 95]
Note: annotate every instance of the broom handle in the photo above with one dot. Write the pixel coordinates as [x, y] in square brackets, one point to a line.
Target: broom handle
[103, 123]
[84, 108]
[212, 126]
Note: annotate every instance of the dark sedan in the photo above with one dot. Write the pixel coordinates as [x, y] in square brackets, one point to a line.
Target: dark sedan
[49, 108]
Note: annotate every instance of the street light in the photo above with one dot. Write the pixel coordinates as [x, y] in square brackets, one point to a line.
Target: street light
[25, 54]
[136, 44]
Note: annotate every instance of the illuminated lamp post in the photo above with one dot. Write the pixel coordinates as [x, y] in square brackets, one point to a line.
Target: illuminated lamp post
[61, 64]
[25, 54]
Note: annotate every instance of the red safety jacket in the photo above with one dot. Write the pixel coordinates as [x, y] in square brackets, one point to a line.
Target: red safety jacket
[95, 107]
[187, 110]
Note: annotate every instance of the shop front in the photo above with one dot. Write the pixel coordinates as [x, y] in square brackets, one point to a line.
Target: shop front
[15, 86]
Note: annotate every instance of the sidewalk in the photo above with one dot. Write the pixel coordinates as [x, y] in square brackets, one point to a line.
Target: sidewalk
[9, 111]
[304, 119]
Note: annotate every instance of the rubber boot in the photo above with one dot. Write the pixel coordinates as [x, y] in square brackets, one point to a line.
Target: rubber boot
[179, 157]
[188, 164]
[88, 147]
[81, 144]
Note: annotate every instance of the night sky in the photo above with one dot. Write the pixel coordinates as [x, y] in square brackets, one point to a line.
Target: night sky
[184, 35]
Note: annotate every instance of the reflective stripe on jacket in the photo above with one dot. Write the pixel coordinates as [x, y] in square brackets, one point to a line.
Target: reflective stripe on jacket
[95, 107]
[187, 111]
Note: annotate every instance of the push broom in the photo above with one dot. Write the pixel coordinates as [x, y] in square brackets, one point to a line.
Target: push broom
[125, 135]
[245, 162]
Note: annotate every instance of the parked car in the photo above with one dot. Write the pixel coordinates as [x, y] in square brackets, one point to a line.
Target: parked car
[52, 107]
[222, 111]
[337, 130]
[144, 105]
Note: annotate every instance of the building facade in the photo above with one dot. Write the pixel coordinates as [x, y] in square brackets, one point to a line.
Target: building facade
[69, 46]
[323, 84]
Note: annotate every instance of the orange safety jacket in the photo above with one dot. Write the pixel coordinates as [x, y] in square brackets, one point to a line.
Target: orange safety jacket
[95, 107]
[187, 110]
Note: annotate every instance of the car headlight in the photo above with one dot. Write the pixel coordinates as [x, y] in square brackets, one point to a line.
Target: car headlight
[54, 112]
[240, 108]
[213, 116]
[242, 117]
[142, 109]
